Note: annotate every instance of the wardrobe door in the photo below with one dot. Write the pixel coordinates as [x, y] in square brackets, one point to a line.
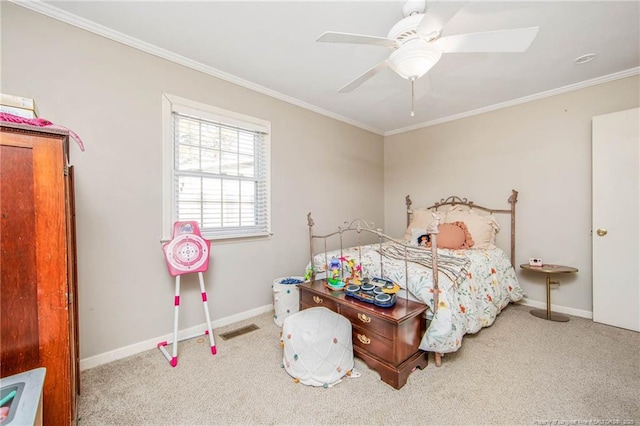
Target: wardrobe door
[19, 321]
[36, 309]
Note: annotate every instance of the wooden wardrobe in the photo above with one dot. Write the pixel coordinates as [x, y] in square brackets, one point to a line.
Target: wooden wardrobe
[38, 317]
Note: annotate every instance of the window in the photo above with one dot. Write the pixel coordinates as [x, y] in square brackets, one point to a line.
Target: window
[215, 170]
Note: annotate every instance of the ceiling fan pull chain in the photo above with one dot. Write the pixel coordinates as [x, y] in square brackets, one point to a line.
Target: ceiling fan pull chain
[413, 79]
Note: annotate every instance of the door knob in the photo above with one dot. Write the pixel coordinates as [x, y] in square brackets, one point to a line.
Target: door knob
[601, 232]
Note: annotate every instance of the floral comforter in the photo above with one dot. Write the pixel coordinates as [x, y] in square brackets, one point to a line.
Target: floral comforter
[473, 288]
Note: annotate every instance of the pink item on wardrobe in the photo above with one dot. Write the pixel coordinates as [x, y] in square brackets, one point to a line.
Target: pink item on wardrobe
[40, 122]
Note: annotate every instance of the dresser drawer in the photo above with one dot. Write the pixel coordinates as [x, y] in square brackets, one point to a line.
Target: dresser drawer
[373, 343]
[367, 321]
[313, 300]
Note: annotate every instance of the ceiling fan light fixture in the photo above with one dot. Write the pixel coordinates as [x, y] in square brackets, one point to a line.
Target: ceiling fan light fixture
[414, 58]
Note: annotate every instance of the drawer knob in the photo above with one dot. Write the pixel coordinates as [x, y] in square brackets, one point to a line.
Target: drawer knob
[317, 299]
[364, 339]
[364, 318]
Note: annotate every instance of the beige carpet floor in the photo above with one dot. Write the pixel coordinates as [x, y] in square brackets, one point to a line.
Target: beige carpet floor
[522, 370]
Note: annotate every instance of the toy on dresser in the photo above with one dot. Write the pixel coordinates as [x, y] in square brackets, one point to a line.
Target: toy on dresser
[378, 291]
[333, 275]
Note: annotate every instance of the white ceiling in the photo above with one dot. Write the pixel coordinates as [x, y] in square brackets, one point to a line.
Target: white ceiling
[271, 47]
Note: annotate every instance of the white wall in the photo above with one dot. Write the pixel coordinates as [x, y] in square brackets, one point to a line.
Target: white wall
[543, 150]
[110, 94]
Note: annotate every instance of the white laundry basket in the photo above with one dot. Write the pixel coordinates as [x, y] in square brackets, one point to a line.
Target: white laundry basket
[318, 350]
[286, 298]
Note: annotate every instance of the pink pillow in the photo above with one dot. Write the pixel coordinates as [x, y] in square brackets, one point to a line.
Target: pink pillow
[454, 236]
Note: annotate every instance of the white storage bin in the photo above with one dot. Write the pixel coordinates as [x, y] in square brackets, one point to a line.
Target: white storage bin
[286, 298]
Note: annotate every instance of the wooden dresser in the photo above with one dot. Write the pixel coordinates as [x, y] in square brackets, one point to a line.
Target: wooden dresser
[38, 325]
[387, 339]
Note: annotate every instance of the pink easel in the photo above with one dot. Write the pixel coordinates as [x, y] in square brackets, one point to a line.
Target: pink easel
[186, 253]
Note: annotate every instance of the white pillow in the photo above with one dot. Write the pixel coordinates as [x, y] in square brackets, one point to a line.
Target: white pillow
[482, 228]
[422, 218]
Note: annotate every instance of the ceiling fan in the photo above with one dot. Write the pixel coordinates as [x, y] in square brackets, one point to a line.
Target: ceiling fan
[419, 40]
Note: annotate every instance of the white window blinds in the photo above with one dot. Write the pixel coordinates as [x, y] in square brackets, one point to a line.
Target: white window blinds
[220, 175]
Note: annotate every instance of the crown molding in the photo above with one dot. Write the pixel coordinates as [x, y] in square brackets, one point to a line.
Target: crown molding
[85, 24]
[534, 97]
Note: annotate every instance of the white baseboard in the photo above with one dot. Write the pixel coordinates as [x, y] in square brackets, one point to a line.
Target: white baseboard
[197, 330]
[557, 308]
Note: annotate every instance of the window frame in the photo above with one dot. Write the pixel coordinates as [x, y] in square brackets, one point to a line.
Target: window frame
[171, 104]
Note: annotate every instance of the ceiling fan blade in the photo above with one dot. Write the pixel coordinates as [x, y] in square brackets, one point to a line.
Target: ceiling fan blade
[333, 37]
[516, 40]
[363, 77]
[437, 16]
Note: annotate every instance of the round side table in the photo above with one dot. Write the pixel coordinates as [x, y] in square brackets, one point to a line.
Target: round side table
[549, 269]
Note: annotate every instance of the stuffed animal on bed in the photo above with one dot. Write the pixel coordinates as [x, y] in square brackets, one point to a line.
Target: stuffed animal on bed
[424, 239]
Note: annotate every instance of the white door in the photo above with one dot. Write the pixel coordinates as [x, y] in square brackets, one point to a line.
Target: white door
[616, 219]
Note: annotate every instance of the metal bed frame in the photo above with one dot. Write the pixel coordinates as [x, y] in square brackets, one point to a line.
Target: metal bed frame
[361, 226]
